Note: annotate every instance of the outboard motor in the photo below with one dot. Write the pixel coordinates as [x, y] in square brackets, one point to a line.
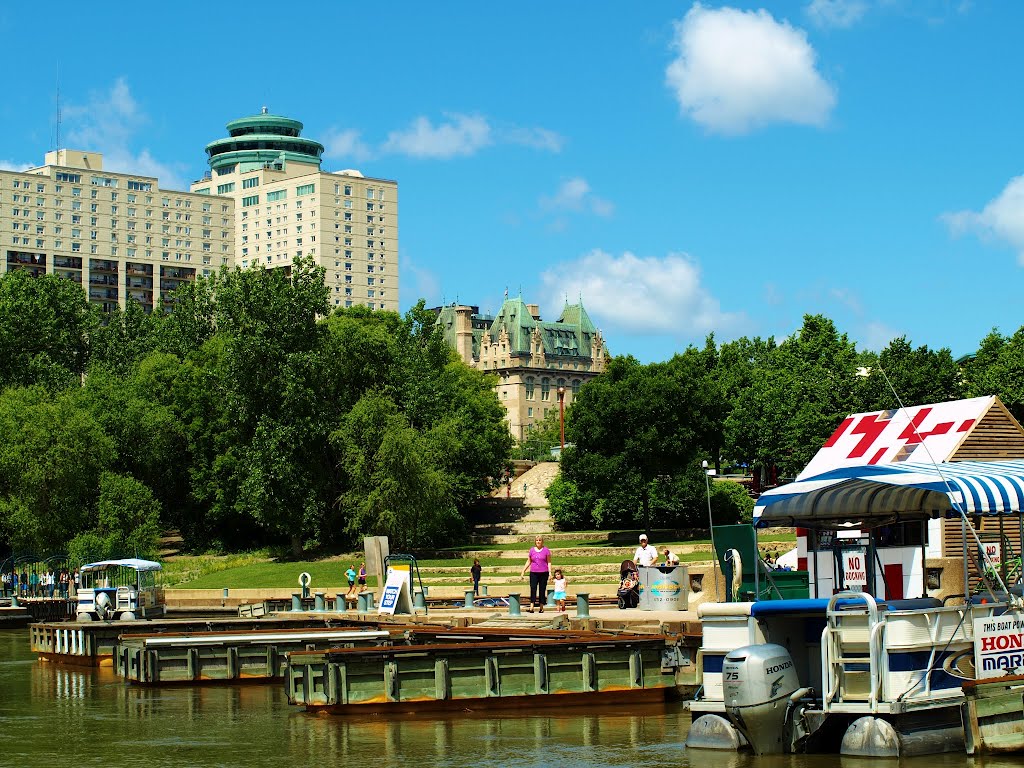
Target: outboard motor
[758, 682]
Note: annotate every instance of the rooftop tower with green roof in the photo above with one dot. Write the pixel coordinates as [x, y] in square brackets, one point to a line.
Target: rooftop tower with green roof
[257, 140]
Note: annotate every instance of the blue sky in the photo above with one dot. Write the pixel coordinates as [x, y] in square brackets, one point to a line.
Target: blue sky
[685, 168]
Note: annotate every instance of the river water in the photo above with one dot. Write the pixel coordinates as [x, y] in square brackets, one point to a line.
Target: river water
[52, 715]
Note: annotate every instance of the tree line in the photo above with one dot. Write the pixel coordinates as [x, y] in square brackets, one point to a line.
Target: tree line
[247, 413]
[244, 414]
[640, 433]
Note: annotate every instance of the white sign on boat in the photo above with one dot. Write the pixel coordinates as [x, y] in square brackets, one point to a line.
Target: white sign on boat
[999, 645]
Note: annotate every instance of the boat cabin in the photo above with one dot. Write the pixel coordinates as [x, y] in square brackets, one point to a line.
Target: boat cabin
[120, 590]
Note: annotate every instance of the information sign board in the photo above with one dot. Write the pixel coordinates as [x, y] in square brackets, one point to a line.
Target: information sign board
[397, 597]
[855, 572]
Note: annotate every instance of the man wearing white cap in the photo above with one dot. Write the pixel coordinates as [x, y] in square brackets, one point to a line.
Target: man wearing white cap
[645, 554]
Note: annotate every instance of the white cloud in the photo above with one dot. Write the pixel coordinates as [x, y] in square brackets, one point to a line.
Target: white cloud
[848, 299]
[462, 135]
[346, 145]
[11, 165]
[876, 336]
[575, 195]
[836, 14]
[108, 123]
[641, 295]
[459, 135]
[535, 138]
[738, 70]
[1002, 219]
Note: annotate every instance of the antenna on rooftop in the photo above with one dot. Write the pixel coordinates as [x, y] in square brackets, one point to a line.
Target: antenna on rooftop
[56, 139]
[264, 110]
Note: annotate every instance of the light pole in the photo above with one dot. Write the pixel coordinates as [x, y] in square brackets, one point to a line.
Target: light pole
[561, 419]
[711, 524]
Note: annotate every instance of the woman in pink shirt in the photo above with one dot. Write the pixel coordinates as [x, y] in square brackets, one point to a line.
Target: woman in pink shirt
[539, 563]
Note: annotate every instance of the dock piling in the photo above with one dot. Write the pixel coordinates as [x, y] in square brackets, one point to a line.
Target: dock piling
[469, 598]
[582, 605]
[551, 598]
[513, 604]
[318, 602]
[296, 601]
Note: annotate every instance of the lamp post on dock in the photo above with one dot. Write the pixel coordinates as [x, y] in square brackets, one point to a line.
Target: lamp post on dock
[561, 419]
[711, 524]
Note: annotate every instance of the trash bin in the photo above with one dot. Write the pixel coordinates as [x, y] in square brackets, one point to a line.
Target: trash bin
[664, 588]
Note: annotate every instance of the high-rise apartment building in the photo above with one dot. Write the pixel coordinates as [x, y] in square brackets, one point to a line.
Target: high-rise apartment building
[285, 206]
[118, 235]
[264, 202]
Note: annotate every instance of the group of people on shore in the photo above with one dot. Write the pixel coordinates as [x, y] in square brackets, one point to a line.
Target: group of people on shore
[538, 564]
[46, 583]
[356, 579]
[646, 555]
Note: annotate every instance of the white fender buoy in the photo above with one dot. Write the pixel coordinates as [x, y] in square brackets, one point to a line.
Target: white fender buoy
[733, 556]
[305, 579]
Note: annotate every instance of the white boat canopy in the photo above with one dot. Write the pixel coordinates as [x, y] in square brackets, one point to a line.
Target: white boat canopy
[138, 565]
[871, 495]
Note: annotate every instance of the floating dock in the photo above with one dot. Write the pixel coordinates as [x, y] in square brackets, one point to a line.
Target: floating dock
[92, 643]
[481, 672]
[245, 655]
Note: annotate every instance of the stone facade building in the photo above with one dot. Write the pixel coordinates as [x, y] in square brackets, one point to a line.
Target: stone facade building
[536, 362]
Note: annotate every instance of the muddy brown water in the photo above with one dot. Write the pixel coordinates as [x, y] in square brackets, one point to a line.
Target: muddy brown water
[51, 715]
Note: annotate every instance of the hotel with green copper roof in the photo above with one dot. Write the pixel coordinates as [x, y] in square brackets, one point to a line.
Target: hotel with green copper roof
[537, 362]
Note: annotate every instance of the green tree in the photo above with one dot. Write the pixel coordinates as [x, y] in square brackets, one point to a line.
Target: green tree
[127, 522]
[998, 369]
[540, 438]
[123, 338]
[638, 425]
[395, 487]
[800, 391]
[918, 376]
[44, 331]
[52, 454]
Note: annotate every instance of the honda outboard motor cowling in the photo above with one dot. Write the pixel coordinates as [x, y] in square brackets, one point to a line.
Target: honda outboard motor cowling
[758, 681]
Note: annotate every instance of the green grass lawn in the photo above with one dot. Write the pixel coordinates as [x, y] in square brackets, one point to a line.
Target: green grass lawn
[257, 570]
[271, 575]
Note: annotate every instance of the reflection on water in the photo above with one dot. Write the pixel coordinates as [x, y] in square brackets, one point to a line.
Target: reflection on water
[51, 714]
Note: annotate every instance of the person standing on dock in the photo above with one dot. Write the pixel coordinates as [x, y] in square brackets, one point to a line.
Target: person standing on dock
[474, 573]
[645, 555]
[350, 574]
[539, 564]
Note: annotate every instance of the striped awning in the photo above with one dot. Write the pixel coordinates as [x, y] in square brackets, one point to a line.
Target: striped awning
[866, 496]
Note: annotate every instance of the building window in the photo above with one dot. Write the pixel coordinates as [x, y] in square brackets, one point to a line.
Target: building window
[545, 388]
[250, 200]
[305, 189]
[223, 189]
[252, 181]
[279, 194]
[529, 387]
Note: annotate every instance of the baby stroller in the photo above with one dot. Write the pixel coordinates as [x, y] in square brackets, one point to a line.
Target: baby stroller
[629, 586]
